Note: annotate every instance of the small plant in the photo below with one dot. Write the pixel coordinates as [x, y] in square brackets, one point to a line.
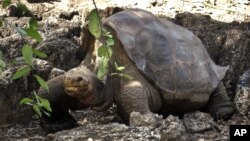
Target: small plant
[40, 105]
[105, 50]
[28, 53]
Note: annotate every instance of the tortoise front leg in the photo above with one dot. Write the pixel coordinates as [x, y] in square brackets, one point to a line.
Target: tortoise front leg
[220, 106]
[133, 97]
[136, 95]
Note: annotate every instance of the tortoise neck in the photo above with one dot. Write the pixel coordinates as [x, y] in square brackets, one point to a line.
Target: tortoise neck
[105, 94]
[98, 92]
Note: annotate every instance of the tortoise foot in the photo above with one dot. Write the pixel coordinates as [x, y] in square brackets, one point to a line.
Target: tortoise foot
[58, 125]
[224, 113]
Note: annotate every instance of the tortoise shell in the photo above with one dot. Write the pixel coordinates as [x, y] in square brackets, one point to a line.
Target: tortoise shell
[168, 54]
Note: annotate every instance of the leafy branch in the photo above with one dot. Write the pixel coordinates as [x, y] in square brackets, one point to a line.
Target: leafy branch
[28, 53]
[40, 105]
[105, 50]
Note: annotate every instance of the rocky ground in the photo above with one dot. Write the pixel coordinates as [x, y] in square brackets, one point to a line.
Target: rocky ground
[226, 41]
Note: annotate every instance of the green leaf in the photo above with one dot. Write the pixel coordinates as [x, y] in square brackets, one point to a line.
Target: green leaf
[109, 49]
[101, 51]
[6, 3]
[37, 99]
[22, 72]
[2, 64]
[106, 33]
[45, 104]
[26, 101]
[110, 42]
[33, 34]
[104, 51]
[46, 113]
[39, 53]
[103, 68]
[94, 24]
[119, 68]
[33, 23]
[42, 82]
[114, 74]
[126, 76]
[37, 110]
[27, 54]
[22, 7]
[21, 31]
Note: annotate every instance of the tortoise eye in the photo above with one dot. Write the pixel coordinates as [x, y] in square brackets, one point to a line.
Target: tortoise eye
[79, 79]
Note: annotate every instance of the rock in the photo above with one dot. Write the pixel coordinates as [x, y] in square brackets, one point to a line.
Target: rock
[242, 98]
[172, 129]
[55, 72]
[4, 79]
[68, 15]
[3, 82]
[91, 116]
[112, 131]
[61, 51]
[149, 119]
[11, 46]
[198, 122]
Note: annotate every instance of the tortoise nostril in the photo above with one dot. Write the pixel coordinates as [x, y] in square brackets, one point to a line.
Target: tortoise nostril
[79, 79]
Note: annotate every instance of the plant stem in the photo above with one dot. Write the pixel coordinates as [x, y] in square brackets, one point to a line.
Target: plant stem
[101, 26]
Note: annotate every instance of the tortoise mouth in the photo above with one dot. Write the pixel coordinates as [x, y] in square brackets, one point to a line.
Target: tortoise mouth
[83, 94]
[77, 90]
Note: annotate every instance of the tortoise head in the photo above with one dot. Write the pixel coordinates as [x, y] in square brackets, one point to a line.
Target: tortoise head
[78, 83]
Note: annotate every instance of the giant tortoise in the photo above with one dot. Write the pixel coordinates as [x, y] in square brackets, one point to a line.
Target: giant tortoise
[172, 73]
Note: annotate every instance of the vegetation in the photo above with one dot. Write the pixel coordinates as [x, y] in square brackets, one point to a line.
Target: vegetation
[105, 50]
[40, 105]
